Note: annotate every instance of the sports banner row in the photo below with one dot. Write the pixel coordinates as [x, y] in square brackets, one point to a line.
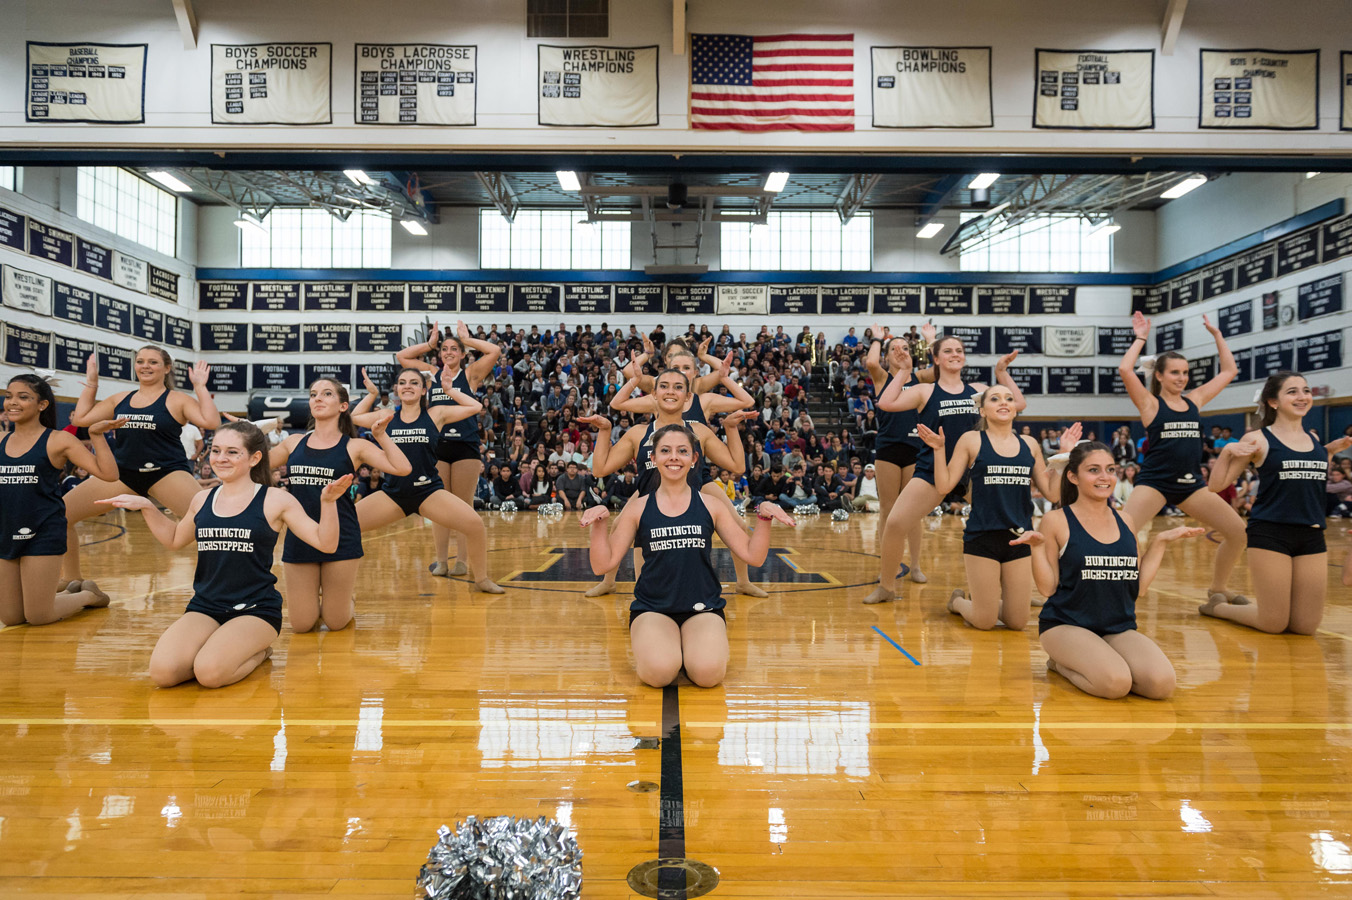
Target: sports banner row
[637, 298]
[734, 84]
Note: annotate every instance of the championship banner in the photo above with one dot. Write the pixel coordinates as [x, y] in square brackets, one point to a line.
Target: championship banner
[130, 272]
[932, 87]
[1259, 89]
[416, 84]
[743, 299]
[589, 86]
[1104, 89]
[1074, 340]
[26, 291]
[271, 84]
[86, 83]
[1345, 78]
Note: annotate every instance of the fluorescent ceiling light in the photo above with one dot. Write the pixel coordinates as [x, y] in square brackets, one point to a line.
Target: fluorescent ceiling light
[357, 176]
[1184, 186]
[568, 180]
[413, 226]
[1104, 229]
[775, 181]
[1307, 174]
[983, 181]
[246, 220]
[169, 181]
[995, 209]
[930, 230]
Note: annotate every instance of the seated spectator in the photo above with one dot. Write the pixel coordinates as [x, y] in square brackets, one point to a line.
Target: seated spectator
[540, 489]
[865, 498]
[620, 487]
[73, 480]
[574, 487]
[506, 486]
[829, 489]
[1338, 493]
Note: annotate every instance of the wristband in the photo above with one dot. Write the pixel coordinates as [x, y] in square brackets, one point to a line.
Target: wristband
[764, 518]
[1140, 339]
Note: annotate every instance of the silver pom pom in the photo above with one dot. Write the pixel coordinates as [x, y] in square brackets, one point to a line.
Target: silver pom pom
[508, 506]
[740, 507]
[503, 858]
[840, 515]
[551, 509]
[807, 509]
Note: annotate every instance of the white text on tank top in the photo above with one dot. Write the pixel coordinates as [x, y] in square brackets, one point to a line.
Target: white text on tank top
[230, 540]
[1017, 475]
[18, 474]
[1311, 469]
[1109, 568]
[962, 405]
[676, 537]
[1181, 431]
[318, 476]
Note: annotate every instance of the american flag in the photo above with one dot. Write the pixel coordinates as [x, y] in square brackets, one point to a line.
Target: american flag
[776, 82]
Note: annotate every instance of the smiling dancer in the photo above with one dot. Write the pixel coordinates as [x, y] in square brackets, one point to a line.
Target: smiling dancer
[1004, 466]
[150, 457]
[32, 518]
[236, 611]
[457, 450]
[1288, 558]
[1086, 563]
[676, 619]
[947, 404]
[1172, 471]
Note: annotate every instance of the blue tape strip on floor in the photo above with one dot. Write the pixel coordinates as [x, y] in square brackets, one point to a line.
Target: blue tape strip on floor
[895, 644]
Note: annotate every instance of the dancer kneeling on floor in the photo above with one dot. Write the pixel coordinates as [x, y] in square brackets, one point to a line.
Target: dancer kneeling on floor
[1004, 466]
[236, 612]
[676, 620]
[1288, 558]
[1089, 571]
[32, 516]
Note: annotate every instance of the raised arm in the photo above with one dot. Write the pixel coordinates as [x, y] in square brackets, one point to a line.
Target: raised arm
[411, 357]
[1225, 372]
[947, 477]
[1154, 555]
[488, 355]
[323, 535]
[380, 452]
[753, 548]
[1146, 403]
[1233, 459]
[607, 458]
[623, 400]
[199, 409]
[100, 463]
[607, 550]
[873, 359]
[898, 399]
[88, 409]
[465, 406]
[1003, 377]
[725, 456]
[1047, 476]
[174, 535]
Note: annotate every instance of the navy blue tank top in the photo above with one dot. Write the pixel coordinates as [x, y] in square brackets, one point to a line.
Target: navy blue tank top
[1098, 582]
[1002, 495]
[465, 429]
[30, 491]
[896, 427]
[695, 415]
[1173, 448]
[954, 412]
[678, 570]
[418, 440]
[234, 555]
[1291, 484]
[149, 440]
[308, 472]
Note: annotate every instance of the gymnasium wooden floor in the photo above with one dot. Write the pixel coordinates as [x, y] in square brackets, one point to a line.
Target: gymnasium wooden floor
[883, 751]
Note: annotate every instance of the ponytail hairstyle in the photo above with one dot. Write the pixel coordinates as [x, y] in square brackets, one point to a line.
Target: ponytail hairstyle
[421, 377]
[1267, 410]
[1070, 492]
[678, 428]
[47, 414]
[254, 442]
[168, 363]
[1162, 361]
[345, 424]
[684, 377]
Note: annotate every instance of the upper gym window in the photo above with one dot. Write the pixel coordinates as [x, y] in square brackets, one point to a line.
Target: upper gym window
[567, 18]
[551, 239]
[314, 239]
[119, 201]
[1042, 244]
[796, 241]
[7, 177]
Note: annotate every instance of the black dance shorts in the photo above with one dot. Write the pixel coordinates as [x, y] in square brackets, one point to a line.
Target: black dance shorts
[679, 618]
[455, 451]
[140, 481]
[268, 610]
[1288, 540]
[994, 545]
[899, 455]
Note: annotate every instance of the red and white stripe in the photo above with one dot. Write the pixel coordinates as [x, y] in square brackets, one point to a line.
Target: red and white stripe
[800, 82]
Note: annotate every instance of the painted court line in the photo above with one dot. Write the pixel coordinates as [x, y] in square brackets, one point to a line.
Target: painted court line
[895, 644]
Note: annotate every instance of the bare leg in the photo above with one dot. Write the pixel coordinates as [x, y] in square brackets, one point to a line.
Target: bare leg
[1142, 506]
[656, 642]
[607, 583]
[11, 593]
[81, 503]
[704, 649]
[43, 600]
[1215, 513]
[1280, 592]
[744, 585]
[1086, 661]
[1152, 675]
[464, 478]
[913, 536]
[916, 500]
[1309, 587]
[233, 651]
[980, 606]
[441, 536]
[336, 582]
[171, 662]
[1016, 588]
[457, 515]
[892, 480]
[376, 511]
[302, 595]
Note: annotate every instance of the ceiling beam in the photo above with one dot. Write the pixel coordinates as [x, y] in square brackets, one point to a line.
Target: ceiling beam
[500, 192]
[1173, 23]
[856, 191]
[678, 27]
[187, 23]
[945, 189]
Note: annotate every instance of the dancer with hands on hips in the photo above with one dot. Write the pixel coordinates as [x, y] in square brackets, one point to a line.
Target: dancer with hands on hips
[1172, 471]
[676, 619]
[236, 611]
[1087, 563]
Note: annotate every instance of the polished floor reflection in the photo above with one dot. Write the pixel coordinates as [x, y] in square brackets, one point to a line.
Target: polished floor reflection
[853, 751]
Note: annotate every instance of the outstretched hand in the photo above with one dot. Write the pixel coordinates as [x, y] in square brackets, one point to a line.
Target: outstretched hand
[1140, 325]
[933, 440]
[128, 501]
[1179, 533]
[592, 515]
[1245, 446]
[461, 330]
[1005, 360]
[1070, 437]
[1031, 538]
[106, 425]
[726, 368]
[738, 416]
[92, 370]
[378, 426]
[929, 332]
[335, 489]
[597, 422]
[1206, 323]
[1337, 446]
[367, 383]
[774, 511]
[199, 374]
